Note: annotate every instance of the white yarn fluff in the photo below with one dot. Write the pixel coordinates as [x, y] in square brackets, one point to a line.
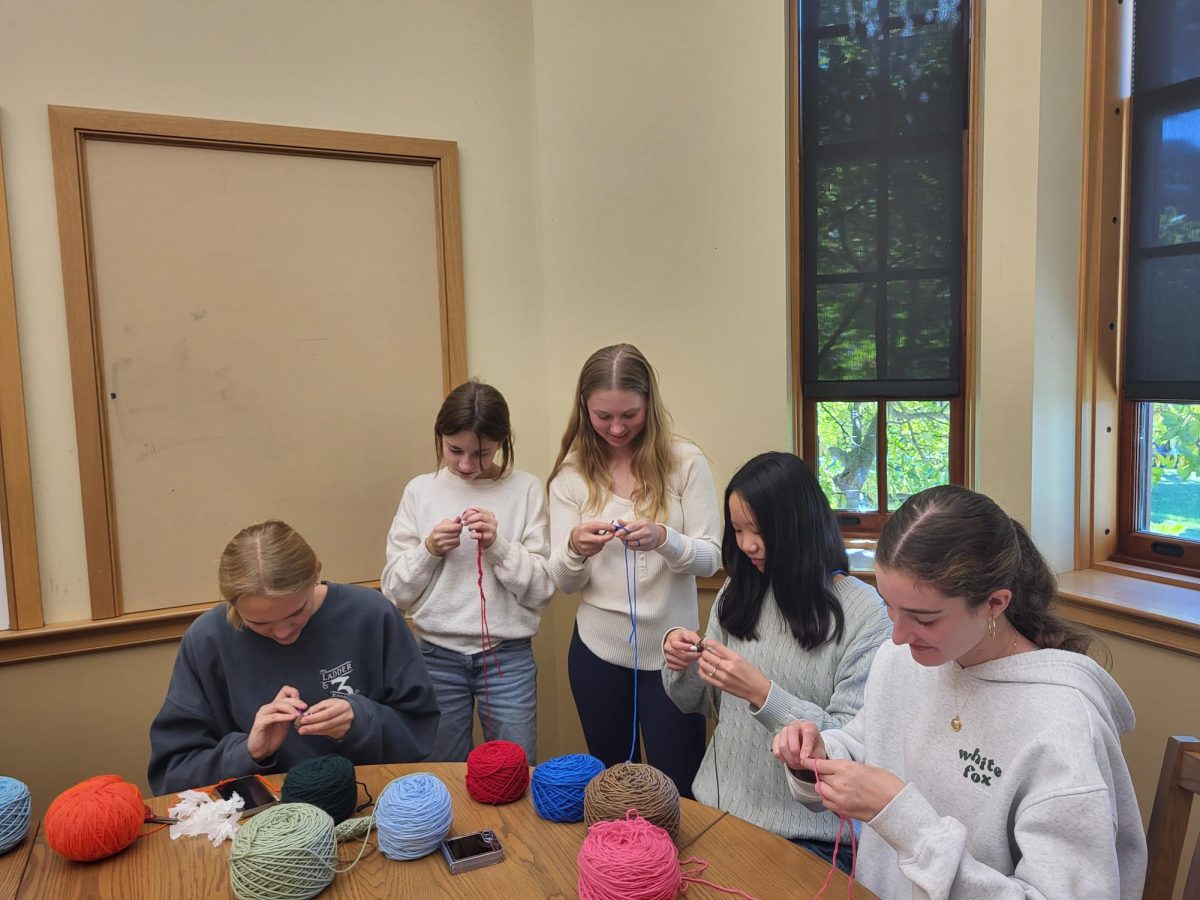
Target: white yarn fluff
[199, 813]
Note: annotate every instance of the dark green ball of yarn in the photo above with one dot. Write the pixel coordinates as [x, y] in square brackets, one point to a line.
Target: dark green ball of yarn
[326, 782]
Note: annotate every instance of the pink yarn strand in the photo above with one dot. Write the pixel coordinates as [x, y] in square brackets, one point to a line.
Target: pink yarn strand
[693, 877]
[837, 843]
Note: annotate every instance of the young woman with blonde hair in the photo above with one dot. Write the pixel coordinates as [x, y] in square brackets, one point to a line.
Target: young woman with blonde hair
[632, 511]
[986, 760]
[474, 510]
[289, 667]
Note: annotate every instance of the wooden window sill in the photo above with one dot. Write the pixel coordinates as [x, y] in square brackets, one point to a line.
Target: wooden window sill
[1126, 602]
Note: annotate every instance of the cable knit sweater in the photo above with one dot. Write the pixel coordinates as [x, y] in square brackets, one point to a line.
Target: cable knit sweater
[666, 577]
[824, 685]
[443, 592]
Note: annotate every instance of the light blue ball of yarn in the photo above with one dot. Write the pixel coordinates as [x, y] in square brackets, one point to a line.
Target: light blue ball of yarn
[558, 785]
[14, 812]
[413, 816]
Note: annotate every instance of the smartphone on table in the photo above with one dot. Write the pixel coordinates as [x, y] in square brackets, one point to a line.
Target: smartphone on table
[472, 851]
[255, 791]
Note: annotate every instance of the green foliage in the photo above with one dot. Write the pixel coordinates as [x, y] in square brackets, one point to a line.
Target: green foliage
[1173, 506]
[1175, 227]
[918, 442]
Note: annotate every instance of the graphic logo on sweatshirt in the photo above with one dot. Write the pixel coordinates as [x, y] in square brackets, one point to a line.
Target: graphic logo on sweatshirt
[979, 769]
[337, 680]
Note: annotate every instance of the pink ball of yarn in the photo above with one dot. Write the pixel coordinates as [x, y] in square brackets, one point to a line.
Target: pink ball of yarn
[497, 772]
[628, 859]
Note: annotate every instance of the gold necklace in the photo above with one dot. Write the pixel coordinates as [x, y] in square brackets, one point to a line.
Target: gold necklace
[956, 723]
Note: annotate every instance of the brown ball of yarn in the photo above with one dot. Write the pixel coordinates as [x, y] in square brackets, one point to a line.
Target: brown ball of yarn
[611, 794]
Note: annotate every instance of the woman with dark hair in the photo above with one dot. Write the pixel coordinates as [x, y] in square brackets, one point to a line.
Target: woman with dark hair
[791, 635]
[479, 665]
[986, 760]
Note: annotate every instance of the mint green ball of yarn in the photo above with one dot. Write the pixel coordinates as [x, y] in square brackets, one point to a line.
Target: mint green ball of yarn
[284, 853]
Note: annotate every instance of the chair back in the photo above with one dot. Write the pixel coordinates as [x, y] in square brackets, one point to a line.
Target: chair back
[1178, 783]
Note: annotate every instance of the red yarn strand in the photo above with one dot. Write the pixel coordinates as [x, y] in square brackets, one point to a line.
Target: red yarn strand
[485, 642]
[842, 821]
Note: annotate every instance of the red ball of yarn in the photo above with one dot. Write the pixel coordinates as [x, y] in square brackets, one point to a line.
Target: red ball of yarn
[497, 772]
[95, 819]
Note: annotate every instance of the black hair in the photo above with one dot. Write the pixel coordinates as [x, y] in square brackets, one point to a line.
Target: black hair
[804, 550]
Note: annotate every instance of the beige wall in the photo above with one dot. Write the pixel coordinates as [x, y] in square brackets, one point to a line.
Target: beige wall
[459, 71]
[623, 177]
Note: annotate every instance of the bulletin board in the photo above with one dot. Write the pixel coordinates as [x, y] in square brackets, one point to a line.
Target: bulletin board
[263, 323]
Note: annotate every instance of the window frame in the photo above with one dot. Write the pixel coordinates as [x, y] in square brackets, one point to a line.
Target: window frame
[1107, 538]
[866, 526]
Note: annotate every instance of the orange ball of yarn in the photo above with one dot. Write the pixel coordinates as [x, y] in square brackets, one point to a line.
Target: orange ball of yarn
[95, 819]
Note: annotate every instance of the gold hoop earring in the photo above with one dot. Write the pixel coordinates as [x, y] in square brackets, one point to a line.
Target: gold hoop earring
[991, 626]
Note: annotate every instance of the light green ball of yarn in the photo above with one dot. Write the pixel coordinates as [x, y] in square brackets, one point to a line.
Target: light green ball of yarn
[284, 853]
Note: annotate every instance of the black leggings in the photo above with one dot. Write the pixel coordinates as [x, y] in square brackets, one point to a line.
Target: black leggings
[674, 741]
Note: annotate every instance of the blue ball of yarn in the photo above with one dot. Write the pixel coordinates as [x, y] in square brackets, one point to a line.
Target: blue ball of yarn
[413, 816]
[559, 783]
[14, 812]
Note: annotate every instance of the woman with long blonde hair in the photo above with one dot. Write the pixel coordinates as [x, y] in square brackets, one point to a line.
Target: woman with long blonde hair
[633, 522]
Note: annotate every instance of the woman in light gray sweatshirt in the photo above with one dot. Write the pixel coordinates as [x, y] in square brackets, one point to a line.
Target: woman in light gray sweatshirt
[986, 760]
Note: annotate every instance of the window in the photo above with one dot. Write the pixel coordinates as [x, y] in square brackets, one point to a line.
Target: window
[880, 121]
[1159, 491]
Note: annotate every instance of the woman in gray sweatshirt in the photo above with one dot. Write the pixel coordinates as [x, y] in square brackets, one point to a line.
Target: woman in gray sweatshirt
[286, 668]
[986, 760]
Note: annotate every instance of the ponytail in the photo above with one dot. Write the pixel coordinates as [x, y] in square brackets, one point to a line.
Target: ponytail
[965, 545]
[1034, 589]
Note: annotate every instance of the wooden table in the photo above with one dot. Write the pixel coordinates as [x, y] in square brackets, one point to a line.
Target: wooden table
[540, 858]
[12, 866]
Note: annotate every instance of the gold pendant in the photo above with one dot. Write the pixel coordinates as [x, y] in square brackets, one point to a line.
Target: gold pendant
[956, 724]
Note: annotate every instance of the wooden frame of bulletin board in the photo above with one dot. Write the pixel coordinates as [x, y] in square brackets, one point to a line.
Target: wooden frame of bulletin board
[18, 541]
[263, 322]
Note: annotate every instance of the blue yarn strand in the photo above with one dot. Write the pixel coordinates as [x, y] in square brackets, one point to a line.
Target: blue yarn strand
[558, 786]
[413, 816]
[631, 596]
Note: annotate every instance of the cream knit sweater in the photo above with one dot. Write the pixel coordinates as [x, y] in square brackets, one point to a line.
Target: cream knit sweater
[666, 577]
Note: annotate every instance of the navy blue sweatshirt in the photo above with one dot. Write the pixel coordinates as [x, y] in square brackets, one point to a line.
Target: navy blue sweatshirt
[356, 646]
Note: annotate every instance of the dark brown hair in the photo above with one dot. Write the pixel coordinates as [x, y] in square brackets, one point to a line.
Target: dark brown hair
[480, 409]
[965, 545]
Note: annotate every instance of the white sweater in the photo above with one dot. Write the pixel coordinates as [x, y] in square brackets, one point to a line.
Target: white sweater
[443, 593]
[1031, 799]
[666, 577]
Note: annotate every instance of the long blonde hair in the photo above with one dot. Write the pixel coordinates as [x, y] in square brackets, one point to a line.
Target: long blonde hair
[269, 559]
[621, 367]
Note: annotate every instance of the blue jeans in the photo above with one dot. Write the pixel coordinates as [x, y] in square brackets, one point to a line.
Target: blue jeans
[510, 698]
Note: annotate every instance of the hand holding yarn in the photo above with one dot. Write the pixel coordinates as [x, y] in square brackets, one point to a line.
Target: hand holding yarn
[446, 536]
[272, 721]
[797, 742]
[729, 671]
[589, 538]
[854, 790]
[678, 648]
[331, 718]
[641, 534]
[481, 525]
